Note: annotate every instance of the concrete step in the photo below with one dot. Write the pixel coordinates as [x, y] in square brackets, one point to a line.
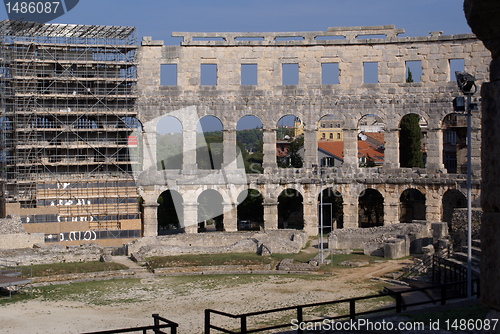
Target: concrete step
[476, 251]
[476, 243]
[463, 258]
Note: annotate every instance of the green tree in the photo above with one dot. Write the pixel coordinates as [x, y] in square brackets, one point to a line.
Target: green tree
[409, 78]
[410, 145]
[293, 154]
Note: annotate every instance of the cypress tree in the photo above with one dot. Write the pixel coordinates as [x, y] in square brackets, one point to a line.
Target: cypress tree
[409, 78]
[410, 145]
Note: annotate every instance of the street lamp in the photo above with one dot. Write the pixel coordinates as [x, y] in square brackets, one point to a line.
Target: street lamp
[466, 83]
[320, 250]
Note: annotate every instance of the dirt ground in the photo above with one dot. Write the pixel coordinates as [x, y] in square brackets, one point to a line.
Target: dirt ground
[105, 305]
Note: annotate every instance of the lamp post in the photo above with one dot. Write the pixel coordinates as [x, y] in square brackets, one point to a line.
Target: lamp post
[320, 249]
[466, 84]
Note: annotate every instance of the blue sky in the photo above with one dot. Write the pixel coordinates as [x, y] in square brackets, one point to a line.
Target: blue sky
[159, 18]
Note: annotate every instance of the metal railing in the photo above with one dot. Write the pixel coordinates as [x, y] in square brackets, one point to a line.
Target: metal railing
[156, 327]
[427, 263]
[299, 310]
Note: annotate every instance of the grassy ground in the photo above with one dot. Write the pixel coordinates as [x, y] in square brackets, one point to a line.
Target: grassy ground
[43, 270]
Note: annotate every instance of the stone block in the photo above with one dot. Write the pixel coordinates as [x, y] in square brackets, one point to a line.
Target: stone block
[395, 248]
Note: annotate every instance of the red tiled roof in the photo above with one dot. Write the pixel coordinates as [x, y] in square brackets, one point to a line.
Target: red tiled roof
[373, 152]
[377, 136]
[335, 148]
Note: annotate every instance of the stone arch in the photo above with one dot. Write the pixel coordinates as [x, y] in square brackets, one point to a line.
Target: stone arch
[412, 205]
[454, 127]
[290, 141]
[371, 128]
[169, 145]
[250, 211]
[330, 140]
[290, 209]
[170, 213]
[250, 141]
[452, 199]
[210, 211]
[334, 208]
[209, 142]
[370, 208]
[405, 141]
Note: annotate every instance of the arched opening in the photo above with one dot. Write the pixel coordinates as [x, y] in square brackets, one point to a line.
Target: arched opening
[210, 211]
[290, 210]
[330, 141]
[290, 142]
[452, 199]
[250, 211]
[412, 141]
[371, 141]
[412, 206]
[370, 208]
[170, 213]
[333, 210]
[209, 148]
[455, 143]
[250, 143]
[169, 143]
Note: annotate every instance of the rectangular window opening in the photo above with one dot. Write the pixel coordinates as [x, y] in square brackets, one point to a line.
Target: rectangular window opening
[330, 73]
[208, 75]
[370, 36]
[249, 74]
[456, 65]
[168, 74]
[288, 38]
[370, 72]
[328, 38]
[415, 69]
[290, 74]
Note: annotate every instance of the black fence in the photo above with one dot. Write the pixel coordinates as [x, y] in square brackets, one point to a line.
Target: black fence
[159, 323]
[299, 310]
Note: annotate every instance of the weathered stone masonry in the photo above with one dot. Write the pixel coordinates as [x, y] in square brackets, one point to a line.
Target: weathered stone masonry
[391, 99]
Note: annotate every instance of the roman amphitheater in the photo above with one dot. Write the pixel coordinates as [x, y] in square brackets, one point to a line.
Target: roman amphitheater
[81, 106]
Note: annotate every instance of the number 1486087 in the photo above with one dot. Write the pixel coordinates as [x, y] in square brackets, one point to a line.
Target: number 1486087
[33, 7]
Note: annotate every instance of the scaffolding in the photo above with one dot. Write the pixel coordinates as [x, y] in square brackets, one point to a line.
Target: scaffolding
[70, 138]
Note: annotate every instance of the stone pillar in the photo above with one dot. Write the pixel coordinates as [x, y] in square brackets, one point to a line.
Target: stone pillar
[310, 146]
[351, 148]
[189, 150]
[269, 149]
[433, 206]
[191, 217]
[391, 210]
[270, 216]
[435, 150]
[149, 151]
[311, 217]
[230, 219]
[350, 205]
[229, 149]
[150, 218]
[391, 152]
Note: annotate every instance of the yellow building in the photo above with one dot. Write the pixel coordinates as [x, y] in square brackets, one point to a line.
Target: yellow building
[329, 129]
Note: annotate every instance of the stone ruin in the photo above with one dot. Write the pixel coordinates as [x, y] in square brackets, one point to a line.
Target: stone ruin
[274, 241]
[392, 241]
